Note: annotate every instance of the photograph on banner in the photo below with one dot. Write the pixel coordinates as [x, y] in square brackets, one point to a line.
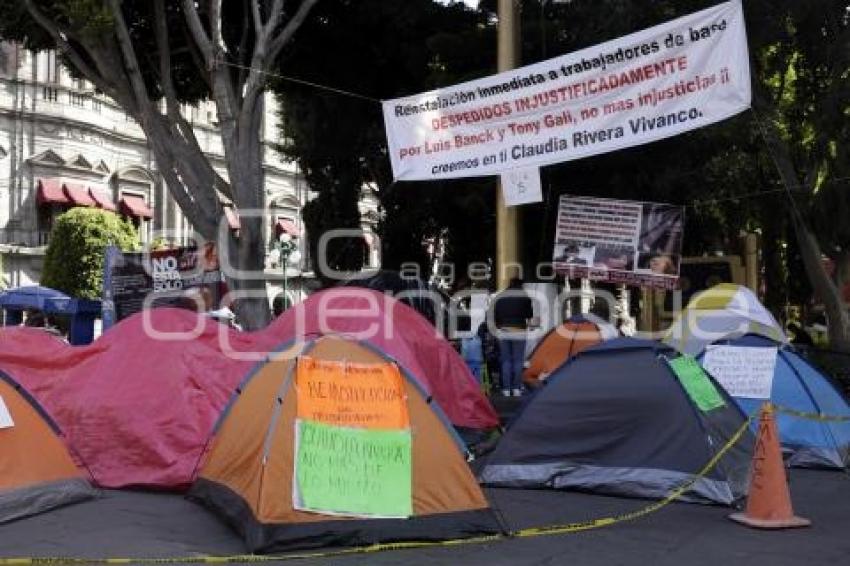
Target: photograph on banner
[522, 186]
[652, 84]
[183, 277]
[742, 371]
[629, 242]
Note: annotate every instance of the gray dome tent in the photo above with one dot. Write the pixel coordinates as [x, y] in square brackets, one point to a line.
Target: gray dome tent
[626, 417]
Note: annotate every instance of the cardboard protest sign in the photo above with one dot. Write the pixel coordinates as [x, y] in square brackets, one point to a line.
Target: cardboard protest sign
[352, 471]
[697, 384]
[522, 186]
[659, 82]
[742, 371]
[354, 395]
[620, 241]
[353, 440]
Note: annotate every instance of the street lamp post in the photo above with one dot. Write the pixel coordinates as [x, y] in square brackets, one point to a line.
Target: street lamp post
[288, 248]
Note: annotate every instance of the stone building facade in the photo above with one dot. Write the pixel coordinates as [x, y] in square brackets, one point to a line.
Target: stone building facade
[62, 144]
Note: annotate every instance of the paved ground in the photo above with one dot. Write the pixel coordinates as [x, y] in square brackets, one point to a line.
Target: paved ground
[136, 524]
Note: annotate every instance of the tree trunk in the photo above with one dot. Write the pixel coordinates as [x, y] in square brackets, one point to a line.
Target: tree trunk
[838, 318]
[249, 286]
[776, 290]
[244, 151]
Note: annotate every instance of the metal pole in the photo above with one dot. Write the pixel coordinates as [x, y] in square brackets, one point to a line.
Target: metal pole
[285, 297]
[507, 219]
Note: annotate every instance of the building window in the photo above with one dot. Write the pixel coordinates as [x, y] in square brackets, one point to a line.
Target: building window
[135, 207]
[76, 99]
[50, 93]
[52, 68]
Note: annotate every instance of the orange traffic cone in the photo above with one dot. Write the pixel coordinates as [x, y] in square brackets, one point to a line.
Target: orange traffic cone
[769, 501]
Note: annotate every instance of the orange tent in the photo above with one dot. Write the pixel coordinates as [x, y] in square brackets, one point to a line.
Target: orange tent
[331, 443]
[36, 472]
[563, 342]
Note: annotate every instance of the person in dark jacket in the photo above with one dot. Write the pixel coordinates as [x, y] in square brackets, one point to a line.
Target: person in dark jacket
[512, 309]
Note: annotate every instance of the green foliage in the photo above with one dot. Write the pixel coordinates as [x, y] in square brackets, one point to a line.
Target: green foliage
[74, 259]
[334, 209]
[90, 24]
[90, 17]
[389, 48]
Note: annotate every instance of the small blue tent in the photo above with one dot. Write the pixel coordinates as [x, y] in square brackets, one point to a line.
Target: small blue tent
[799, 386]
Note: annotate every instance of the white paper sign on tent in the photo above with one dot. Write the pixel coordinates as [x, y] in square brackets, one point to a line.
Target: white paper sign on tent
[5, 417]
[522, 186]
[742, 371]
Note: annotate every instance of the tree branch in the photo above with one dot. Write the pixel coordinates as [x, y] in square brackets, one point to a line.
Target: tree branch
[134, 72]
[60, 38]
[215, 26]
[202, 40]
[289, 30]
[274, 17]
[258, 20]
[243, 59]
[266, 50]
[164, 46]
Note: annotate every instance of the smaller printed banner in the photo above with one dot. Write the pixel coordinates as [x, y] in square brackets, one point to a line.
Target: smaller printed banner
[183, 277]
[352, 471]
[347, 394]
[522, 186]
[619, 241]
[742, 371]
[698, 385]
[5, 416]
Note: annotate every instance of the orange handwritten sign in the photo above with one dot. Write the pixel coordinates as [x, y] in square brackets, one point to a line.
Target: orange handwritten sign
[351, 395]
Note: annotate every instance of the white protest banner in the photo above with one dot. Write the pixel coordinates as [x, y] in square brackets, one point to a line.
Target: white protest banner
[619, 241]
[742, 371]
[649, 85]
[522, 186]
[5, 417]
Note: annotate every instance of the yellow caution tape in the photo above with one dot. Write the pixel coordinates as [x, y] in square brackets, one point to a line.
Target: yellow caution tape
[385, 547]
[811, 416]
[675, 494]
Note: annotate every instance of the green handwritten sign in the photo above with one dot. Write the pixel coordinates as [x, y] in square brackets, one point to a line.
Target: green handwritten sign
[696, 383]
[353, 471]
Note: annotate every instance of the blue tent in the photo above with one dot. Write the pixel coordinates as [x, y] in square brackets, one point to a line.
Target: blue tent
[81, 312]
[799, 386]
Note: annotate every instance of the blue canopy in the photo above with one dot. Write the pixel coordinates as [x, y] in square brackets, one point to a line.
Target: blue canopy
[46, 300]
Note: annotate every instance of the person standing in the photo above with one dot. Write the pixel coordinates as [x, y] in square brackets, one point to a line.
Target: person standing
[512, 310]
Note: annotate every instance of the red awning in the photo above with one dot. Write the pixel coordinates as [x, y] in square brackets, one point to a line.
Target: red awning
[232, 218]
[284, 226]
[50, 192]
[78, 194]
[102, 199]
[133, 205]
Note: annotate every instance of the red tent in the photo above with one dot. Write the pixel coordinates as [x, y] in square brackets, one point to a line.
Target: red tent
[401, 332]
[138, 408]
